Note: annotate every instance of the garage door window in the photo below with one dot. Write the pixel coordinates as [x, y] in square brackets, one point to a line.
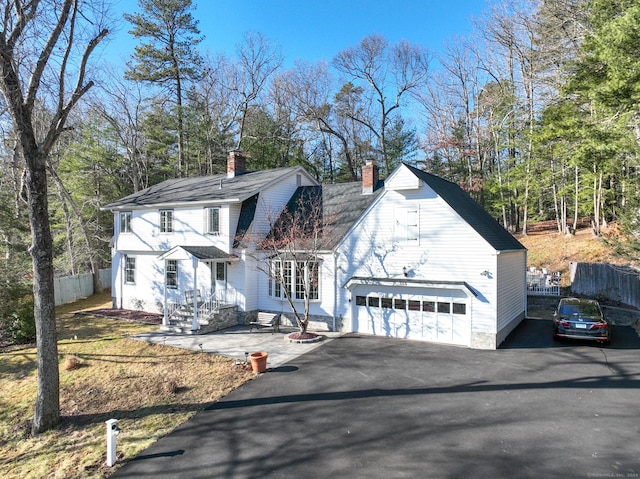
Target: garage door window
[361, 300]
[459, 308]
[413, 305]
[386, 303]
[373, 302]
[444, 307]
[399, 303]
[429, 306]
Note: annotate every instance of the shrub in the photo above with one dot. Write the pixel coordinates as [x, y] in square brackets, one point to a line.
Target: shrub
[16, 313]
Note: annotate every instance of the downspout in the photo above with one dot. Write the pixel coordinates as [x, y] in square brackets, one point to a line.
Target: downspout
[194, 322]
[165, 317]
[335, 288]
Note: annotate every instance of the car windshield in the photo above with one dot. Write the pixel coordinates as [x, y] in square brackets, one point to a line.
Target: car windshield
[585, 309]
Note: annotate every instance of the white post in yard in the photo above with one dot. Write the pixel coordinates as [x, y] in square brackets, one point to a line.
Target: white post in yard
[194, 323]
[112, 432]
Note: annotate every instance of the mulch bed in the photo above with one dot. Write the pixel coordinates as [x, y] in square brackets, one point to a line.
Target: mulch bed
[127, 314]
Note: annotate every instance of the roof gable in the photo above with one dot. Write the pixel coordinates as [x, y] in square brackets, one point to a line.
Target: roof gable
[469, 210]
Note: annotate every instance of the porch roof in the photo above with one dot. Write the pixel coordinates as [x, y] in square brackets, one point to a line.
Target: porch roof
[202, 253]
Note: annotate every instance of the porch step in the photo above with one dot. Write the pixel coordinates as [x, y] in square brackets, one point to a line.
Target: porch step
[215, 322]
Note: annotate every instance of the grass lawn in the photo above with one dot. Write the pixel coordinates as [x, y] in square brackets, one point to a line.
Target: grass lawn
[104, 374]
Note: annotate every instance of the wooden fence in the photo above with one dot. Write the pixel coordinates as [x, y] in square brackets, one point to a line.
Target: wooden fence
[613, 282]
[71, 288]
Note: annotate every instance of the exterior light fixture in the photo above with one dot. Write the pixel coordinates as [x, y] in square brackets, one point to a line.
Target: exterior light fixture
[404, 271]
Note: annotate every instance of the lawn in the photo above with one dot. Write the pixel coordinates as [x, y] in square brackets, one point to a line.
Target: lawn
[104, 374]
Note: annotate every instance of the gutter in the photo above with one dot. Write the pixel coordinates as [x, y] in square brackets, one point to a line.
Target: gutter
[335, 288]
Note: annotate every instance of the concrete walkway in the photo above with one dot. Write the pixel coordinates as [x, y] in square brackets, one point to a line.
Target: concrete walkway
[236, 341]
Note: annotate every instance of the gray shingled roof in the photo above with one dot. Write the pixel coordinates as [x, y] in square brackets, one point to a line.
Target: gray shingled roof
[471, 211]
[342, 204]
[207, 252]
[202, 188]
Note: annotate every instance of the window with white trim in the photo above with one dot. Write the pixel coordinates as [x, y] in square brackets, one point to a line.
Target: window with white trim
[172, 273]
[129, 269]
[166, 221]
[221, 271]
[125, 222]
[294, 277]
[213, 220]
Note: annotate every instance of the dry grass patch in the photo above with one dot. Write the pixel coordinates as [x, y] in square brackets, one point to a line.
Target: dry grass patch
[554, 251]
[104, 373]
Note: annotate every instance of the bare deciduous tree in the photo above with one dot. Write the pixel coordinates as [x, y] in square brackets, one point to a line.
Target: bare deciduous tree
[290, 255]
[389, 73]
[44, 56]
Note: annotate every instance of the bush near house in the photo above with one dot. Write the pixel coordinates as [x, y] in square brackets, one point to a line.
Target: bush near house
[17, 323]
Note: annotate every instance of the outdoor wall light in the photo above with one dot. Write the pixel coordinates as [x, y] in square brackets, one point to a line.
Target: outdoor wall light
[404, 271]
[485, 273]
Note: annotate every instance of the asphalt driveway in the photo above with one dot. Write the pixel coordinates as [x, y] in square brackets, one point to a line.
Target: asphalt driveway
[370, 407]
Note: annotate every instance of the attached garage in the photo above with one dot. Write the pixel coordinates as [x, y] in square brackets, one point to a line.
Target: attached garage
[420, 310]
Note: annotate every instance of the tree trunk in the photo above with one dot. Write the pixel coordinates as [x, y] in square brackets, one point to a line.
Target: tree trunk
[47, 407]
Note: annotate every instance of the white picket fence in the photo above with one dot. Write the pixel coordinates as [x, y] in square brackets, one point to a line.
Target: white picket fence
[71, 288]
[542, 283]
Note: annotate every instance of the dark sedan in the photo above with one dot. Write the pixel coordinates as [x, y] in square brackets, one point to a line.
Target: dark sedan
[580, 319]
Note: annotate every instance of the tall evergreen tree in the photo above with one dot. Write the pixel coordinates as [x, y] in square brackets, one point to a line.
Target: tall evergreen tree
[168, 57]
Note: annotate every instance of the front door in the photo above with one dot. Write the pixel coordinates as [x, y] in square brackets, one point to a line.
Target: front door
[219, 280]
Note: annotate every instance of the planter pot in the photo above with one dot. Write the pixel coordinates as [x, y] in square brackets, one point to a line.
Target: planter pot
[258, 362]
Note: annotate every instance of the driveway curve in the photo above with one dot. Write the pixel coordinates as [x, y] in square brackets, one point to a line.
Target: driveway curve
[369, 407]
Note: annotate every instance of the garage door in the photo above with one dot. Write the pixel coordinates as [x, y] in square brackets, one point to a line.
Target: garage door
[442, 317]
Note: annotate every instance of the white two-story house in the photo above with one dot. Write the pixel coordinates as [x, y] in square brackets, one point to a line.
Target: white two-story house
[412, 257]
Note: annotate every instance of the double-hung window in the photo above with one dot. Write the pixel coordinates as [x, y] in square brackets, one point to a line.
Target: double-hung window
[166, 221]
[130, 269]
[125, 222]
[213, 221]
[172, 273]
[294, 278]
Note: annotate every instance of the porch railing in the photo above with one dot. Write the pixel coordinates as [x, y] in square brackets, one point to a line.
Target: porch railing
[207, 306]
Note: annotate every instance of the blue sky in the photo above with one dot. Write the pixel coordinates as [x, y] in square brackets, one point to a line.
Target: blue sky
[316, 30]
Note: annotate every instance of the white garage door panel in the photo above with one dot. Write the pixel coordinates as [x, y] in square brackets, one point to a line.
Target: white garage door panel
[425, 325]
[444, 329]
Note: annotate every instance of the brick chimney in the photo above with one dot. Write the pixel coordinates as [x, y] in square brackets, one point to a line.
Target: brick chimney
[236, 163]
[370, 177]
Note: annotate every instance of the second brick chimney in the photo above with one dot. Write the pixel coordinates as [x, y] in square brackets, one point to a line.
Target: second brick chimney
[370, 177]
[236, 163]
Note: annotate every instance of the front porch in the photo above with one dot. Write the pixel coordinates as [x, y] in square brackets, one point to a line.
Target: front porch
[189, 311]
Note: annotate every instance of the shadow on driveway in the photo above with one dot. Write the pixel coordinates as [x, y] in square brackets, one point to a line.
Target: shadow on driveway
[538, 333]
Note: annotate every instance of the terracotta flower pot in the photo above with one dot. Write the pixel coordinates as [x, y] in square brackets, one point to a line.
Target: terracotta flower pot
[258, 362]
